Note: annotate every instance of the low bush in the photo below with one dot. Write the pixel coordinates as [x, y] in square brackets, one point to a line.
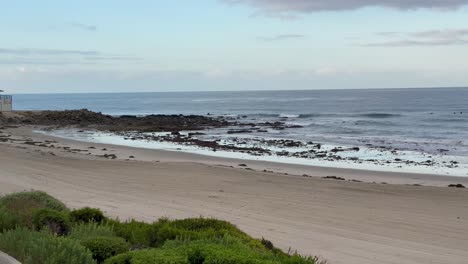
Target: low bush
[103, 248]
[93, 238]
[228, 250]
[55, 221]
[19, 207]
[31, 247]
[8, 220]
[83, 231]
[87, 215]
[200, 228]
[142, 235]
[125, 258]
[138, 234]
[267, 244]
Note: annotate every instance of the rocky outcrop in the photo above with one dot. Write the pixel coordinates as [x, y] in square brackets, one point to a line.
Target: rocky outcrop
[85, 118]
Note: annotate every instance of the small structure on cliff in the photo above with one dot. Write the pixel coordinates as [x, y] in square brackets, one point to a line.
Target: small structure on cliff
[6, 102]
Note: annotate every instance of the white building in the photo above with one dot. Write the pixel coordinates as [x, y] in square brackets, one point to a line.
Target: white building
[6, 103]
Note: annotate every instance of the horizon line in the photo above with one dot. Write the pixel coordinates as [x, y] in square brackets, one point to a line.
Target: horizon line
[266, 90]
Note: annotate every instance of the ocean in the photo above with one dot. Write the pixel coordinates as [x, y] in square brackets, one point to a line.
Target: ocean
[431, 121]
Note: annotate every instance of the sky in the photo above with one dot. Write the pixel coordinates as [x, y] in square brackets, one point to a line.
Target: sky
[58, 46]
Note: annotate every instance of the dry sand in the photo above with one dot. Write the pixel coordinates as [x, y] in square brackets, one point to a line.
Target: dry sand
[342, 221]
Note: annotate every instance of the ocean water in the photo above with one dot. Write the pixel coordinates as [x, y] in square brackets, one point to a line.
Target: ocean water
[430, 121]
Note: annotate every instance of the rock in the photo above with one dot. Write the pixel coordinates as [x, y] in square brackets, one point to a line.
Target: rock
[457, 186]
[191, 134]
[239, 131]
[85, 118]
[109, 156]
[334, 178]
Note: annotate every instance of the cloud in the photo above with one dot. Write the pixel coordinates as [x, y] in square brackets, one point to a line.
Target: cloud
[15, 51]
[84, 26]
[113, 58]
[422, 38]
[34, 56]
[285, 7]
[442, 34]
[282, 37]
[65, 79]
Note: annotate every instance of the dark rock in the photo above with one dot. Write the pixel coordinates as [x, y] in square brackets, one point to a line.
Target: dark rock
[239, 131]
[457, 186]
[334, 178]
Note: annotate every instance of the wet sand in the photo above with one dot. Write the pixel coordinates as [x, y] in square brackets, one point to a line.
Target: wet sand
[342, 221]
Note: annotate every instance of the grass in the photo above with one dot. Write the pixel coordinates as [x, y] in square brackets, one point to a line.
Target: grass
[93, 238]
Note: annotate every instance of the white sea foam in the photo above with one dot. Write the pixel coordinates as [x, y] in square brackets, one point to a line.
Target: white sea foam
[363, 154]
[289, 115]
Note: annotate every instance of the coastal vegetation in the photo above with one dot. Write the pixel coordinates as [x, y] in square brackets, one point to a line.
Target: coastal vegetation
[37, 228]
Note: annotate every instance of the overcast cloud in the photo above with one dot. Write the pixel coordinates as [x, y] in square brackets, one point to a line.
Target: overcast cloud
[84, 26]
[20, 51]
[307, 6]
[423, 38]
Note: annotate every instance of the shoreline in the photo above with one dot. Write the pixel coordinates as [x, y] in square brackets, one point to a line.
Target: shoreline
[342, 221]
[292, 169]
[245, 139]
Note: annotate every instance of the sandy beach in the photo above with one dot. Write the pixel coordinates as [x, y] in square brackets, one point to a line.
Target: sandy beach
[342, 221]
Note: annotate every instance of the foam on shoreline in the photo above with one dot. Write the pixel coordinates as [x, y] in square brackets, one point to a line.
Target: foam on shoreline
[387, 160]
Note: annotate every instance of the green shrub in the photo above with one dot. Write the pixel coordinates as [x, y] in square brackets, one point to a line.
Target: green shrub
[55, 221]
[8, 220]
[31, 247]
[143, 235]
[87, 215]
[83, 231]
[103, 248]
[228, 250]
[138, 234]
[188, 241]
[267, 244]
[125, 258]
[199, 228]
[196, 256]
[19, 207]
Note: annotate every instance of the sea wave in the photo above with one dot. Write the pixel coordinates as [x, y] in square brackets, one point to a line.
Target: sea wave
[329, 115]
[378, 115]
[285, 115]
[289, 115]
[374, 123]
[446, 120]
